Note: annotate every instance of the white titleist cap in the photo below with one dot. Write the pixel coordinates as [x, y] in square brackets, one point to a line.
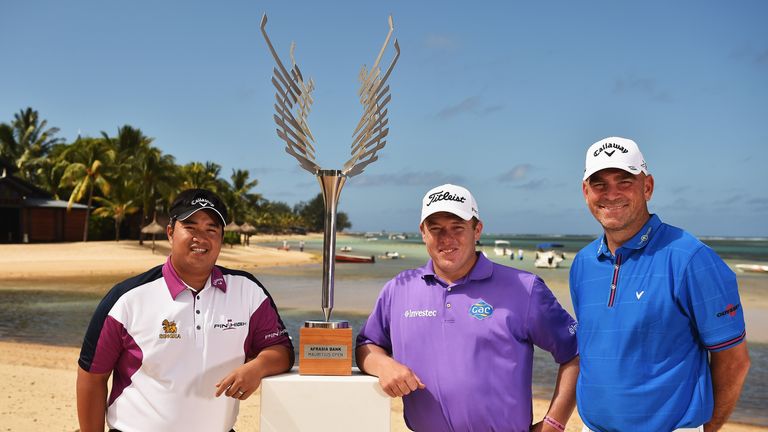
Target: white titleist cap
[449, 198]
[614, 152]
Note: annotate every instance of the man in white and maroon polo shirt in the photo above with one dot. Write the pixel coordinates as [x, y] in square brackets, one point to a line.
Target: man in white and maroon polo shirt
[455, 337]
[185, 341]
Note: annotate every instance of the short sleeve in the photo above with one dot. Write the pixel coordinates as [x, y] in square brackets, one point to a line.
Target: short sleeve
[376, 329]
[550, 327]
[266, 329]
[709, 293]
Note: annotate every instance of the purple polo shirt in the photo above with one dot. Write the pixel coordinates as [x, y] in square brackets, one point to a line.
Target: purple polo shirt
[471, 343]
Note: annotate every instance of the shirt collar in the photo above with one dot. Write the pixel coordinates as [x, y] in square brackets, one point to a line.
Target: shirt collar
[482, 269]
[638, 241]
[176, 286]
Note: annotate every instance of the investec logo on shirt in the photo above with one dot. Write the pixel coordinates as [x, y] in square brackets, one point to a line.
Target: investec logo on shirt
[424, 313]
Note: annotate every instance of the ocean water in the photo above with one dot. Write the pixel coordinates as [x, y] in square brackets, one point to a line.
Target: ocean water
[41, 315]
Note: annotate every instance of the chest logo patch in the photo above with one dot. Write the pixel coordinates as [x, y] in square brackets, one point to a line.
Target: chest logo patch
[639, 294]
[229, 325]
[170, 330]
[481, 310]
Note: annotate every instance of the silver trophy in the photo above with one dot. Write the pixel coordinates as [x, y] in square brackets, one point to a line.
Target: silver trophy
[294, 99]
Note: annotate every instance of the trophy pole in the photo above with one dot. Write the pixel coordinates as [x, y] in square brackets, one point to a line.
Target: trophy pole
[331, 182]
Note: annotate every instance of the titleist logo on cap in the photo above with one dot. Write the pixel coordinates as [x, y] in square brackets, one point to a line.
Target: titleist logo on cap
[444, 196]
[203, 201]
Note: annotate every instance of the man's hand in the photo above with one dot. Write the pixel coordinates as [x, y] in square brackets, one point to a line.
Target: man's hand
[398, 380]
[241, 382]
[395, 379]
[246, 379]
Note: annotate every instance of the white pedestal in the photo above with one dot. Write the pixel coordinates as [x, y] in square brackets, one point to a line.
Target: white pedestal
[292, 402]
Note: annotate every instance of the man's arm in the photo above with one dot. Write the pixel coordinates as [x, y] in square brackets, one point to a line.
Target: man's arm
[729, 370]
[272, 360]
[395, 378]
[564, 397]
[91, 400]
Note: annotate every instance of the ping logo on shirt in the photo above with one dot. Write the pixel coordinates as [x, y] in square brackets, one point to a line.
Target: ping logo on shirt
[730, 310]
[424, 313]
[481, 310]
[229, 325]
[170, 330]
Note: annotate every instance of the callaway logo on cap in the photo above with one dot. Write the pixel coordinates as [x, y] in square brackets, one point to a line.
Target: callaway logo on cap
[449, 198]
[614, 152]
[191, 201]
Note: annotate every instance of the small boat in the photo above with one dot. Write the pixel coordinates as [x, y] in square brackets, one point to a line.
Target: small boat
[547, 256]
[752, 268]
[502, 248]
[391, 255]
[346, 249]
[355, 259]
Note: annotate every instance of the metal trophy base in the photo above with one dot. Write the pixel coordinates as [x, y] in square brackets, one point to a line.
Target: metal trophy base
[325, 348]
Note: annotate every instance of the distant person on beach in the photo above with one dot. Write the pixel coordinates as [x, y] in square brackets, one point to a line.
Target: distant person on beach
[520, 254]
[661, 327]
[455, 337]
[180, 336]
[301, 245]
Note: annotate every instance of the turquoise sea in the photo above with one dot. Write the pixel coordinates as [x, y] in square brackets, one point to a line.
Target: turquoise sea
[39, 314]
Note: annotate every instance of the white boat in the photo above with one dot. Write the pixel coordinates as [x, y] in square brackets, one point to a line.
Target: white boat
[391, 255]
[502, 248]
[346, 248]
[547, 256]
[752, 268]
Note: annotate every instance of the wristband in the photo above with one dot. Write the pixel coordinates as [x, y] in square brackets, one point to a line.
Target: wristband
[554, 423]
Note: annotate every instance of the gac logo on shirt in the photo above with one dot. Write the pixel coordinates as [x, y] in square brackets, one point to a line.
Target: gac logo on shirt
[481, 310]
[170, 330]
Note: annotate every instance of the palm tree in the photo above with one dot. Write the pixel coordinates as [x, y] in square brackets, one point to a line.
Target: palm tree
[241, 199]
[197, 175]
[154, 174]
[88, 159]
[116, 207]
[26, 142]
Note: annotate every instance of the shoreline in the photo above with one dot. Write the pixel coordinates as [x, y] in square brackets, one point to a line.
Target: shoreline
[39, 381]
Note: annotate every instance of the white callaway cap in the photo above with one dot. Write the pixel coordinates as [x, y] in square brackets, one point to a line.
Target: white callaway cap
[449, 198]
[614, 152]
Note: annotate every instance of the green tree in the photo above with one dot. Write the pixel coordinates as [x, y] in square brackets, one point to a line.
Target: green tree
[241, 199]
[204, 176]
[89, 159]
[152, 174]
[312, 213]
[117, 206]
[25, 143]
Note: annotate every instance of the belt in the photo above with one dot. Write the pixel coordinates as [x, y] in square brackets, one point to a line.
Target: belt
[695, 429]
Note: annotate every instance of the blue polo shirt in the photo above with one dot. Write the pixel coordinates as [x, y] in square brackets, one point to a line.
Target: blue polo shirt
[648, 314]
[470, 342]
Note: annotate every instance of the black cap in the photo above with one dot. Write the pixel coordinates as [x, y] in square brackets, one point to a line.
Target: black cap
[191, 201]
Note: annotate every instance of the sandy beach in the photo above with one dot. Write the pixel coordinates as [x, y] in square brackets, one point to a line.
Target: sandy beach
[37, 381]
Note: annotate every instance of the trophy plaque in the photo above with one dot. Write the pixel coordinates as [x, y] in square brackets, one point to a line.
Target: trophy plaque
[325, 347]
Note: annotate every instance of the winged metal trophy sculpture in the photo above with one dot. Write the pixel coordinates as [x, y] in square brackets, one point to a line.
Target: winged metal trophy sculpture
[293, 98]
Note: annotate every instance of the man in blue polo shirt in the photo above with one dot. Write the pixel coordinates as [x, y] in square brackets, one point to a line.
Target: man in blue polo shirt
[184, 342]
[661, 326]
[455, 337]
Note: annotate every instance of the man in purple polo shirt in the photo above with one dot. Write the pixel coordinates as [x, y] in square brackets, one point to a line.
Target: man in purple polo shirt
[180, 337]
[455, 337]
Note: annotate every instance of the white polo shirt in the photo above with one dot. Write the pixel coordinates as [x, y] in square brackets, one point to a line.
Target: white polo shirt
[167, 347]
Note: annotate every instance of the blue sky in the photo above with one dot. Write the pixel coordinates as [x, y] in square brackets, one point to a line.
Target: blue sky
[501, 97]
